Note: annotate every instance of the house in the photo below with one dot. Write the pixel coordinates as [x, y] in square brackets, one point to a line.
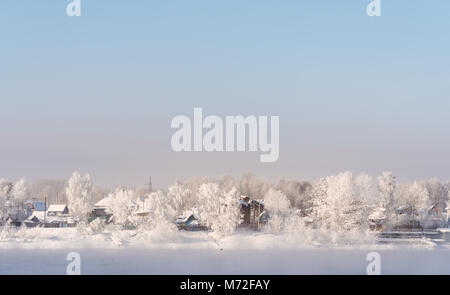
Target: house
[434, 217]
[57, 221]
[36, 219]
[101, 210]
[190, 221]
[36, 205]
[101, 207]
[57, 210]
[377, 219]
[253, 212]
[139, 208]
[32, 221]
[407, 218]
[57, 215]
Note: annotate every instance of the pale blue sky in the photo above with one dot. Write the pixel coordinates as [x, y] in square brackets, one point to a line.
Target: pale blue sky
[96, 93]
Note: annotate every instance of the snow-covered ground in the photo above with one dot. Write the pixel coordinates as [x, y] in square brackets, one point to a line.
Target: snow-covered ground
[44, 251]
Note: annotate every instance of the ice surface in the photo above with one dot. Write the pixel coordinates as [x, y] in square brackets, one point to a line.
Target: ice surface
[44, 251]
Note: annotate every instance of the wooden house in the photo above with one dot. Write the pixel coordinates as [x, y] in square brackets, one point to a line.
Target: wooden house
[189, 221]
[253, 212]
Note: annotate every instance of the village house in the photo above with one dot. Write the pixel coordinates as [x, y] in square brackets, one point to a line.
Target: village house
[434, 217]
[253, 213]
[101, 210]
[33, 206]
[377, 219]
[55, 216]
[139, 208]
[407, 218]
[36, 211]
[189, 221]
[58, 216]
[37, 218]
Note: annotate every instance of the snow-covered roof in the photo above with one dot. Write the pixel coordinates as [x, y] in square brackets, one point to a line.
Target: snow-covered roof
[377, 215]
[186, 215]
[104, 203]
[57, 208]
[38, 214]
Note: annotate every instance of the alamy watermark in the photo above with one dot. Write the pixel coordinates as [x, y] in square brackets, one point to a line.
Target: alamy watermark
[374, 8]
[374, 267]
[74, 8]
[233, 131]
[74, 266]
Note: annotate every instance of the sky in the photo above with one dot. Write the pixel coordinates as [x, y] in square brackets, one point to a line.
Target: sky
[97, 93]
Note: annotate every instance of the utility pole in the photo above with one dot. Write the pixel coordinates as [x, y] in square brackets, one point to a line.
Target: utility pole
[150, 185]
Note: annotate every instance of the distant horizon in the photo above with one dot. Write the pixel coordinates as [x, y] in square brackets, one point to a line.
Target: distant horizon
[274, 181]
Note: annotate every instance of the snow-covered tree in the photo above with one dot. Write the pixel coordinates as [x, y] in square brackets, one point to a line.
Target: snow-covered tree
[319, 201]
[386, 187]
[20, 190]
[276, 202]
[438, 193]
[343, 201]
[178, 197]
[19, 195]
[95, 227]
[413, 200]
[79, 196]
[51, 189]
[252, 187]
[418, 197]
[121, 206]
[297, 192]
[414, 195]
[278, 208]
[12, 199]
[218, 209]
[159, 207]
[5, 196]
[161, 212]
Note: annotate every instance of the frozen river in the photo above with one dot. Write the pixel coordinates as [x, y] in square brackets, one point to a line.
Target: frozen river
[44, 251]
[210, 261]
